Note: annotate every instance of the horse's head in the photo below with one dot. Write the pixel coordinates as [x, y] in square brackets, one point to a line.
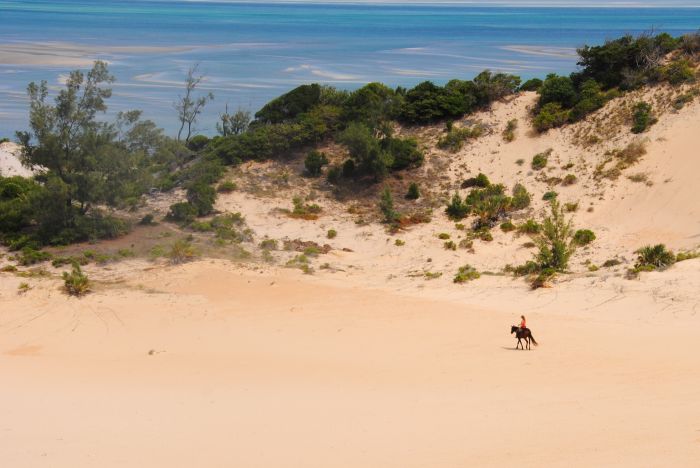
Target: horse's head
[513, 329]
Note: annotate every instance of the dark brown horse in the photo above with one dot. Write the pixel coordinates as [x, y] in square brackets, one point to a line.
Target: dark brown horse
[522, 334]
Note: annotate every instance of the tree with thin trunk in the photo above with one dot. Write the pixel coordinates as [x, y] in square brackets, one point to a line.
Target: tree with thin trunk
[189, 107]
[233, 124]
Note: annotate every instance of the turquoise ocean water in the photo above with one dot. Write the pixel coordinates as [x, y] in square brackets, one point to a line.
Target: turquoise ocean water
[251, 52]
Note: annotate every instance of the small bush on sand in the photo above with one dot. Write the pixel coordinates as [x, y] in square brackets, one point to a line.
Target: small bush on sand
[29, 256]
[656, 257]
[181, 251]
[569, 179]
[539, 161]
[413, 192]
[314, 162]
[521, 197]
[455, 137]
[269, 244]
[642, 117]
[571, 207]
[549, 196]
[399, 243]
[555, 243]
[465, 274]
[683, 256]
[147, 220]
[443, 236]
[450, 245]
[302, 263]
[202, 196]
[23, 288]
[507, 226]
[457, 209]
[544, 278]
[386, 206]
[331, 234]
[226, 187]
[584, 237]
[679, 71]
[303, 210]
[481, 181]
[611, 263]
[509, 132]
[76, 283]
[183, 212]
[529, 227]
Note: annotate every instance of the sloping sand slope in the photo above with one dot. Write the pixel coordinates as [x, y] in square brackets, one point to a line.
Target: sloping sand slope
[205, 366]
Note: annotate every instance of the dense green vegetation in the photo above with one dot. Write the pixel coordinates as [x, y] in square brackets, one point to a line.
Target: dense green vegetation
[616, 66]
[87, 164]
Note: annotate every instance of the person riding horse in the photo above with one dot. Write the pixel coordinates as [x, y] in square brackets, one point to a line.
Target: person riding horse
[522, 332]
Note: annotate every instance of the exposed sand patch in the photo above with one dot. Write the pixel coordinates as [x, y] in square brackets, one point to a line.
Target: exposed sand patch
[285, 370]
[10, 164]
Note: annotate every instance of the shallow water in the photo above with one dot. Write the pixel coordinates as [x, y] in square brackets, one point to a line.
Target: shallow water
[253, 52]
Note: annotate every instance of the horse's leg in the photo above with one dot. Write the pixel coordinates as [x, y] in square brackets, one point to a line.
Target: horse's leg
[528, 342]
[519, 344]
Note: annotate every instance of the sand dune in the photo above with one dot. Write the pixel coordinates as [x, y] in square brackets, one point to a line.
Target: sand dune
[368, 362]
[10, 164]
[218, 367]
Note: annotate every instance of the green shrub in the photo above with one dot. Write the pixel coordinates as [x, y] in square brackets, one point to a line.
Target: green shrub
[507, 226]
[147, 220]
[550, 116]
[455, 137]
[8, 269]
[544, 278]
[304, 210]
[183, 212]
[679, 71]
[399, 243]
[413, 192]
[611, 263]
[642, 117]
[683, 256]
[443, 236]
[269, 244]
[555, 243]
[181, 251]
[584, 236]
[202, 197]
[198, 142]
[509, 132]
[76, 283]
[331, 234]
[227, 186]
[481, 180]
[314, 162]
[656, 257]
[533, 84]
[528, 268]
[466, 273]
[539, 161]
[557, 90]
[569, 179]
[386, 206]
[529, 227]
[334, 173]
[571, 207]
[29, 256]
[521, 197]
[548, 196]
[450, 245]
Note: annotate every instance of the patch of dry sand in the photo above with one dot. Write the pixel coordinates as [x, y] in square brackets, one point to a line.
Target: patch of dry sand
[208, 365]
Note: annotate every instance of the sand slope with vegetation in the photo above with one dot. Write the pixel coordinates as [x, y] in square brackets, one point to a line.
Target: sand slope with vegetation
[297, 309]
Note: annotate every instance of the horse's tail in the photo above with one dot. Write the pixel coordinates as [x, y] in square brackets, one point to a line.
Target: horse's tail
[532, 338]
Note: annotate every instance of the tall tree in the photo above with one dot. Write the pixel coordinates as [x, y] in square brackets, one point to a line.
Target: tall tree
[189, 107]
